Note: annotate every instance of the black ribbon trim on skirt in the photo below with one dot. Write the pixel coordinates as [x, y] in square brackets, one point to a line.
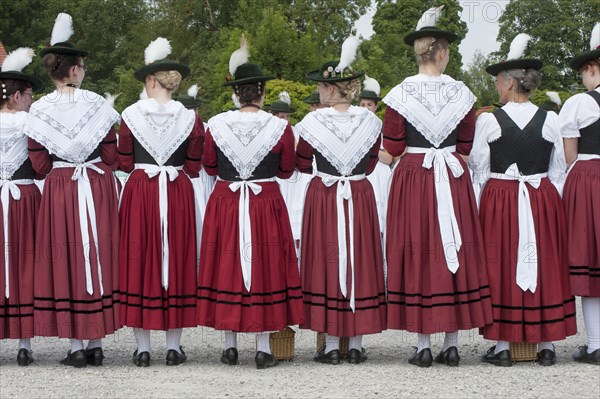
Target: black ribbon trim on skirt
[247, 305]
[77, 301]
[2, 316]
[139, 305]
[249, 294]
[535, 323]
[435, 305]
[104, 307]
[485, 287]
[345, 300]
[158, 298]
[533, 308]
[348, 309]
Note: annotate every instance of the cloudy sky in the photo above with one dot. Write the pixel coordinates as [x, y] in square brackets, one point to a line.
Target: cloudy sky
[482, 21]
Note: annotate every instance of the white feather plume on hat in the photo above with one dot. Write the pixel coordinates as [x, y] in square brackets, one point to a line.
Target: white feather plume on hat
[284, 96]
[371, 84]
[518, 46]
[430, 17]
[595, 38]
[144, 94]
[553, 96]
[158, 49]
[349, 48]
[110, 99]
[236, 101]
[63, 28]
[239, 56]
[193, 91]
[18, 59]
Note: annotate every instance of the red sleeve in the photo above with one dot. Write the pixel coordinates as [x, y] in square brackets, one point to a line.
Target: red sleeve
[373, 156]
[209, 161]
[193, 156]
[287, 161]
[394, 132]
[466, 133]
[108, 149]
[125, 149]
[304, 156]
[41, 161]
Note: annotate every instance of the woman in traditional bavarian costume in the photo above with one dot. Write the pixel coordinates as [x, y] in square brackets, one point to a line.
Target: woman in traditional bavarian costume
[517, 156]
[73, 141]
[160, 143]
[248, 266]
[19, 201]
[437, 281]
[341, 254]
[580, 127]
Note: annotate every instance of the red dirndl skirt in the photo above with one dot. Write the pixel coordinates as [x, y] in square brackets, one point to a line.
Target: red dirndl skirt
[145, 303]
[423, 295]
[549, 313]
[581, 197]
[326, 310]
[275, 299]
[16, 311]
[62, 306]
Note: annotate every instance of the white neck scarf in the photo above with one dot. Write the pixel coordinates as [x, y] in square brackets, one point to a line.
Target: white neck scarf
[13, 143]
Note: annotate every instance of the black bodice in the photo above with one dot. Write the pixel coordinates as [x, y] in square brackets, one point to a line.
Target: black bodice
[589, 142]
[266, 169]
[176, 159]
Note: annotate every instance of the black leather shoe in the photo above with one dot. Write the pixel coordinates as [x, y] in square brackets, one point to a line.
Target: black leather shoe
[24, 357]
[422, 359]
[448, 357]
[356, 356]
[332, 357]
[546, 357]
[264, 360]
[94, 356]
[502, 359]
[76, 359]
[175, 358]
[583, 357]
[141, 359]
[229, 356]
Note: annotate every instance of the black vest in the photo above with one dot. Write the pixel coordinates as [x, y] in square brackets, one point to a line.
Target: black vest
[589, 142]
[324, 166]
[266, 169]
[25, 171]
[95, 154]
[415, 139]
[525, 147]
[142, 156]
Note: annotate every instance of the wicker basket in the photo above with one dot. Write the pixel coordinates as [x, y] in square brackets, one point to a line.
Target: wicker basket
[283, 344]
[523, 351]
[343, 344]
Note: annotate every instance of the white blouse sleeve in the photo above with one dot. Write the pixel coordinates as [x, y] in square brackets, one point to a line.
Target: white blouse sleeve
[479, 158]
[557, 171]
[579, 111]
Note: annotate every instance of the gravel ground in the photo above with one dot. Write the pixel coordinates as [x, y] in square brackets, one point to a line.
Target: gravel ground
[386, 374]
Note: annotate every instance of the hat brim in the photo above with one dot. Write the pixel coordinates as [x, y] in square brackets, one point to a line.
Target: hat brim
[252, 79]
[318, 77]
[36, 84]
[63, 50]
[526, 63]
[289, 110]
[581, 59]
[190, 103]
[369, 95]
[411, 37]
[141, 73]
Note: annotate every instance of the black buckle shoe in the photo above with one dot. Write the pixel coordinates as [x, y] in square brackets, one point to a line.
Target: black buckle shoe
[142, 359]
[24, 357]
[546, 357]
[356, 356]
[94, 357]
[584, 357]
[264, 360]
[422, 359]
[332, 357]
[448, 357]
[76, 359]
[502, 359]
[175, 358]
[230, 356]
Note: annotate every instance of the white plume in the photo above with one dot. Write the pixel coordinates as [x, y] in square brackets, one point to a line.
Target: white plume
[159, 49]
[239, 56]
[18, 59]
[518, 46]
[193, 91]
[371, 84]
[595, 39]
[553, 96]
[110, 99]
[236, 101]
[284, 96]
[430, 17]
[144, 94]
[349, 48]
[63, 28]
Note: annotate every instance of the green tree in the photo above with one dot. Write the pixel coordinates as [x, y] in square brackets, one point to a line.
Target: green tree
[481, 83]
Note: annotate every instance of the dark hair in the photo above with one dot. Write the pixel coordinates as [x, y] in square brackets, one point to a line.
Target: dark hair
[527, 79]
[250, 92]
[11, 86]
[590, 64]
[58, 65]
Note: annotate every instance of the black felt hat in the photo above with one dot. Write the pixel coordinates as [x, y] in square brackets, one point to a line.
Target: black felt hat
[248, 73]
[430, 31]
[14, 63]
[328, 73]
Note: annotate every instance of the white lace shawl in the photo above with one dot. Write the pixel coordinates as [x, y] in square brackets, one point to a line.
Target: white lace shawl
[159, 128]
[246, 137]
[70, 126]
[433, 105]
[343, 138]
[13, 143]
